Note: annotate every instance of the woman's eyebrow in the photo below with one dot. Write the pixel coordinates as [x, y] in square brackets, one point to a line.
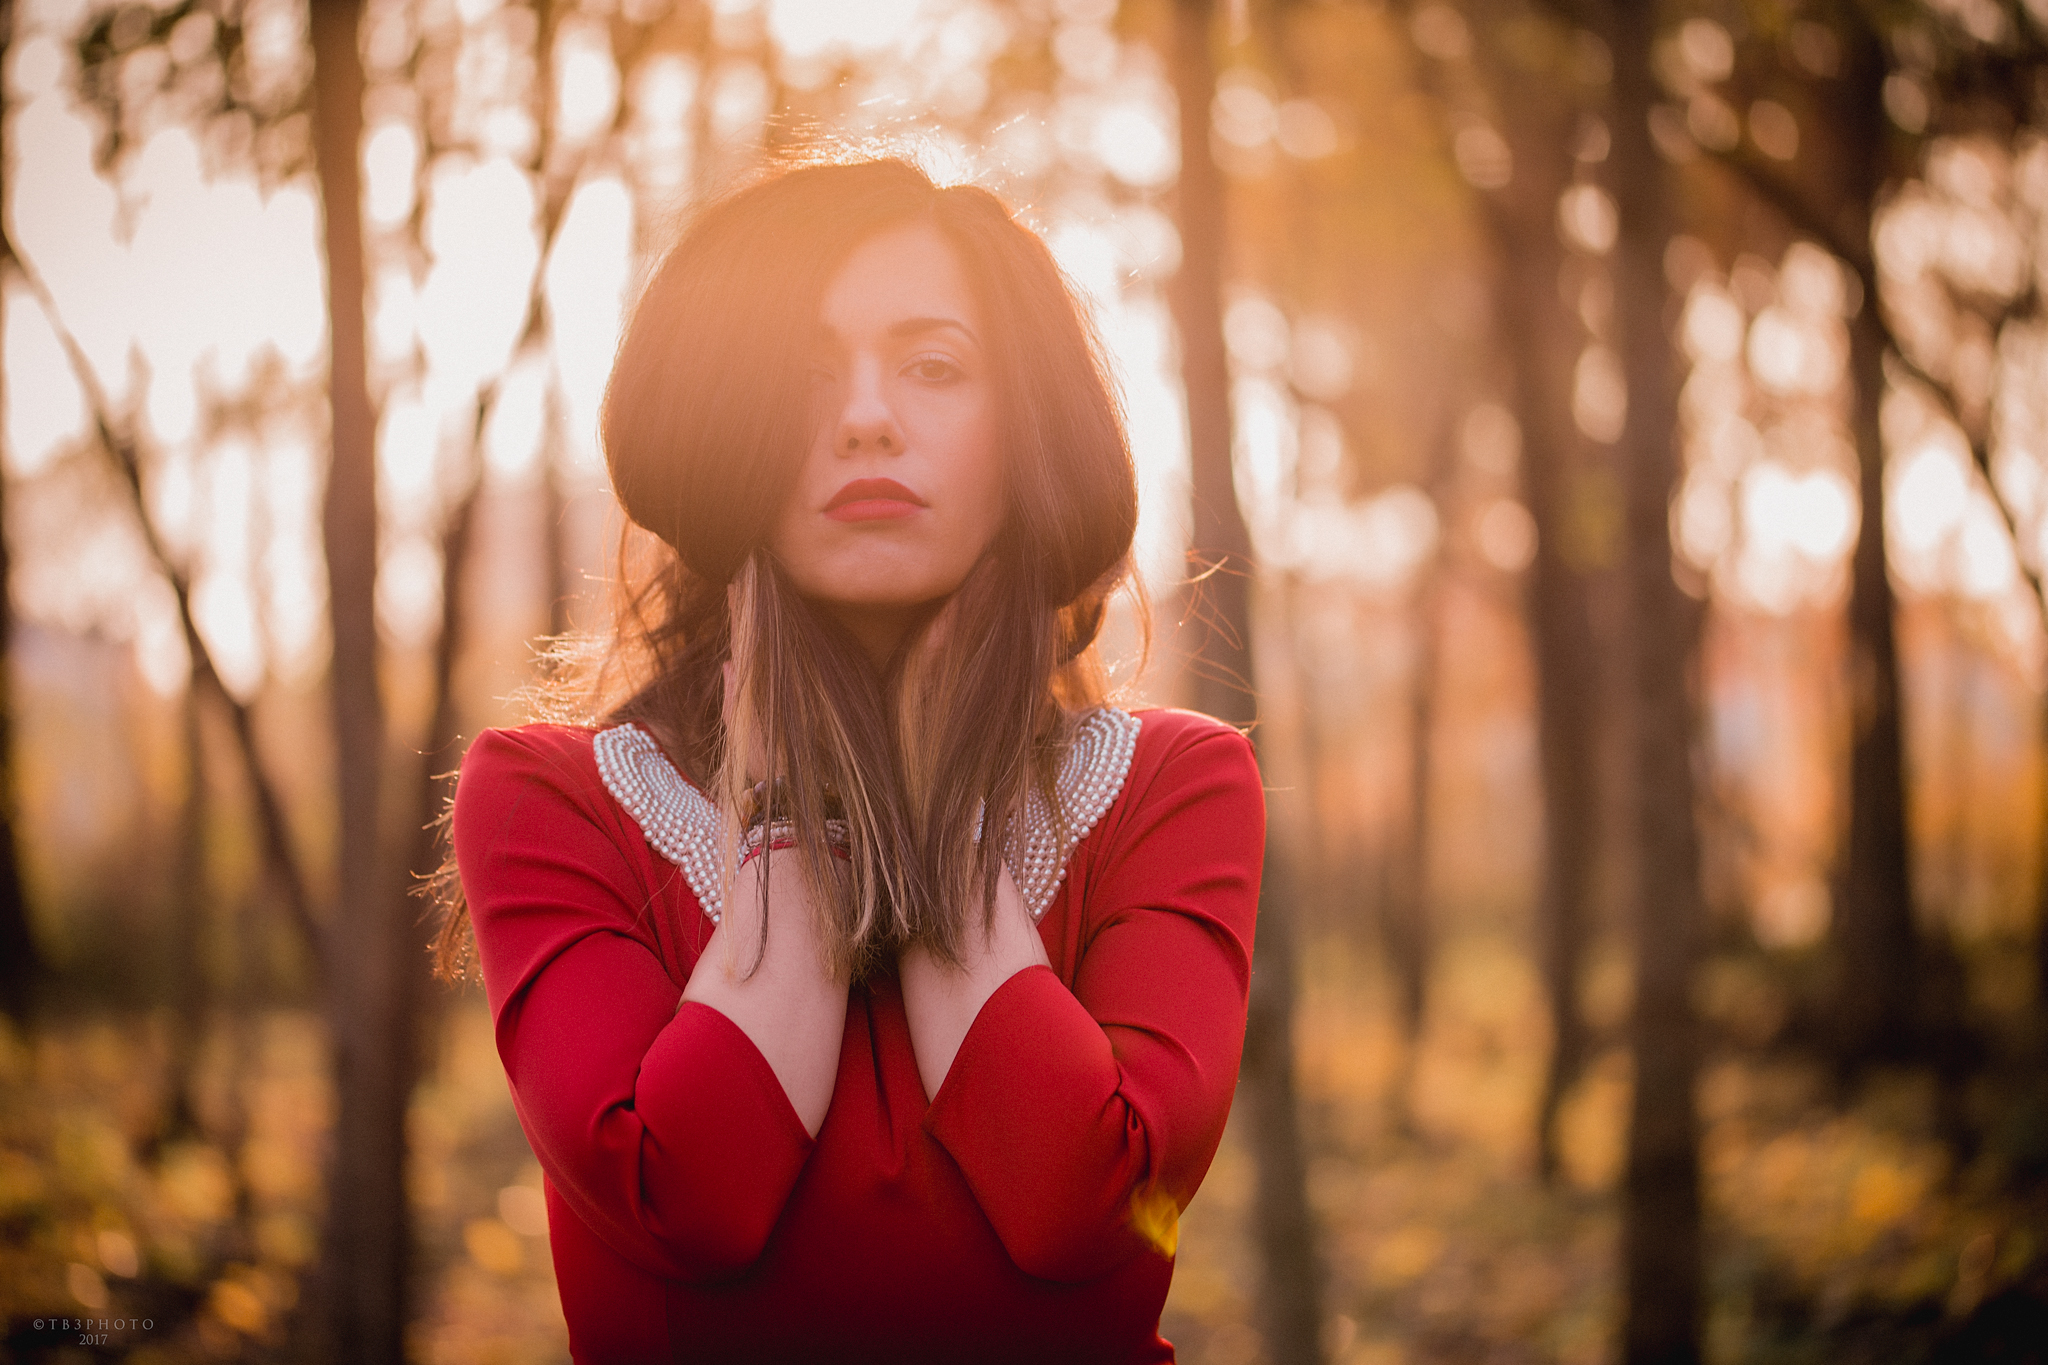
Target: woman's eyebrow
[829, 337]
[916, 326]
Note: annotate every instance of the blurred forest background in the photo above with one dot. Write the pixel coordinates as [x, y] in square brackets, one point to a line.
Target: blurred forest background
[1619, 435]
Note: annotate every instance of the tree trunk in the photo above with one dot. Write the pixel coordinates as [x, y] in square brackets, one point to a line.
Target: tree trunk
[1876, 947]
[553, 448]
[1405, 907]
[20, 966]
[2041, 892]
[1540, 342]
[1221, 649]
[560, 585]
[368, 965]
[1661, 1257]
[191, 993]
[1875, 940]
[441, 756]
[1561, 636]
[1223, 686]
[1408, 926]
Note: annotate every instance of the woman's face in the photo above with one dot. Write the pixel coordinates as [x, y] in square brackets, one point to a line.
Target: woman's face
[901, 491]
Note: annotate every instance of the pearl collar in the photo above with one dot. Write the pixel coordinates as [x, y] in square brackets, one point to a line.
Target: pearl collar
[682, 825]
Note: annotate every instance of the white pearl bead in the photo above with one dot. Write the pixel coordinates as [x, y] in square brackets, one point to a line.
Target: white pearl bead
[681, 824]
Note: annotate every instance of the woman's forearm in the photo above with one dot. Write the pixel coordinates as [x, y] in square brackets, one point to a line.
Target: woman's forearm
[942, 1001]
[790, 1006]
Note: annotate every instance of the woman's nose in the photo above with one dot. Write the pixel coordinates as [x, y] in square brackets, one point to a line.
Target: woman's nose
[867, 424]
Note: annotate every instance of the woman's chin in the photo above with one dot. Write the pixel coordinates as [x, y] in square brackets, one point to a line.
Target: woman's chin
[880, 594]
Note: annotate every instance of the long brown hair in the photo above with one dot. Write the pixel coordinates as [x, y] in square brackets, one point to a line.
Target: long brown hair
[703, 439]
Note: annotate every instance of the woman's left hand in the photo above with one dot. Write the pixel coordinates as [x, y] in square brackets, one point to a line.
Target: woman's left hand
[941, 1000]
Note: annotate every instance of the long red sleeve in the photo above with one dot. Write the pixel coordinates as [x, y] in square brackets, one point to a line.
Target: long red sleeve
[664, 1129]
[1063, 1106]
[690, 1215]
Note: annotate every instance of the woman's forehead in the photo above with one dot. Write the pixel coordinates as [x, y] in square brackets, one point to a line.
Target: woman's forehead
[901, 282]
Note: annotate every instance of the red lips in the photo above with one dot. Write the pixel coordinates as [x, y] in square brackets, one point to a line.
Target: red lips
[873, 500]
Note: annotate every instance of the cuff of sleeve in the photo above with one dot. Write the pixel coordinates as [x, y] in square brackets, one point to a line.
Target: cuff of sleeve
[1029, 1113]
[1032, 1045]
[724, 1144]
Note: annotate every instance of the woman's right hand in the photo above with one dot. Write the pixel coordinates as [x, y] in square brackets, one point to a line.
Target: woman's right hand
[774, 986]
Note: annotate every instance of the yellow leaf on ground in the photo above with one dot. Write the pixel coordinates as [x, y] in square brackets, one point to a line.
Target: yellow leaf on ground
[238, 1306]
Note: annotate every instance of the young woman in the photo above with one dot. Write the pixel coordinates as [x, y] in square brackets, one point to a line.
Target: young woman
[868, 988]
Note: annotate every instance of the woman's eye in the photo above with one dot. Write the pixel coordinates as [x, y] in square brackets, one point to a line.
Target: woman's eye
[934, 369]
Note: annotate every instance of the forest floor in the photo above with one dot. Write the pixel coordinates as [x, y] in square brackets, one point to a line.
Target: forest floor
[1840, 1230]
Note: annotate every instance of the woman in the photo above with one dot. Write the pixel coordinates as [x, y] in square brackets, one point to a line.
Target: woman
[868, 989]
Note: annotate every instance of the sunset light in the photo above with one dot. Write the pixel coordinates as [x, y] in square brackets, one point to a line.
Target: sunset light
[1528, 842]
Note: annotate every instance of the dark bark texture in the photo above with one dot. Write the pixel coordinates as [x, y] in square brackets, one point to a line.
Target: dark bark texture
[191, 989]
[1541, 342]
[1406, 915]
[1882, 968]
[369, 962]
[1660, 1239]
[1875, 943]
[1221, 667]
[20, 966]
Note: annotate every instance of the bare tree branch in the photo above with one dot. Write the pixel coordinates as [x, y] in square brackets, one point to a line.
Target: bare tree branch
[1801, 212]
[1805, 217]
[121, 450]
[458, 521]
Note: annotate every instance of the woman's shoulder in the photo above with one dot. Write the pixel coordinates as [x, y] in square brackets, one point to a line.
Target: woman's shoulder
[1121, 757]
[1189, 743]
[517, 777]
[1189, 769]
[614, 776]
[620, 763]
[548, 854]
[577, 752]
[1191, 804]
[1173, 727]
[559, 755]
[1148, 763]
[538, 737]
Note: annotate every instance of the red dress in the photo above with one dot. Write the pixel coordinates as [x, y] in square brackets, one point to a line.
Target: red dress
[1024, 1214]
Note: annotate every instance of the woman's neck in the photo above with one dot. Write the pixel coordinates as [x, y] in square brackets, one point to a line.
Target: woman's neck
[878, 629]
